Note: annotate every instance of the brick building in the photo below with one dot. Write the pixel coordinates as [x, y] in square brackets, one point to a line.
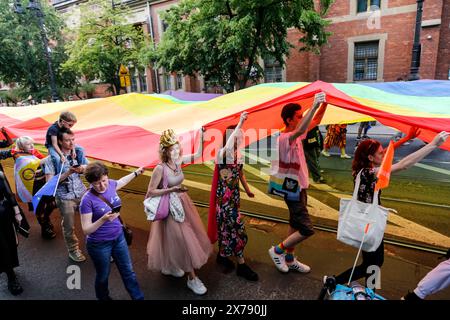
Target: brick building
[376, 45]
[372, 41]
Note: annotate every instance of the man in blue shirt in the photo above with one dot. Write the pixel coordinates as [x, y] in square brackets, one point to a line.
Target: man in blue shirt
[70, 190]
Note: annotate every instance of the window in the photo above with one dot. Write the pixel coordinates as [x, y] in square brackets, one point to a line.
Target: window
[143, 81]
[164, 26]
[179, 83]
[273, 72]
[167, 82]
[134, 81]
[366, 61]
[367, 5]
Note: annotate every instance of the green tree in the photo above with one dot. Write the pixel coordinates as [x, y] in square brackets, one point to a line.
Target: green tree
[223, 39]
[103, 42]
[22, 59]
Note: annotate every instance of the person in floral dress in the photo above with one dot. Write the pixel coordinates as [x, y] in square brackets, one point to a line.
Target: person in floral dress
[231, 234]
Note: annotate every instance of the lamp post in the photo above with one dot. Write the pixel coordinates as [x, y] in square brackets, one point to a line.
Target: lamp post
[417, 48]
[35, 6]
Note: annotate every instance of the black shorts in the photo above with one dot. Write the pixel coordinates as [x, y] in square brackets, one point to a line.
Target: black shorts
[299, 218]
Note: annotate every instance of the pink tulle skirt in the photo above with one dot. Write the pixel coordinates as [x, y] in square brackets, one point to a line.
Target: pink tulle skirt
[183, 245]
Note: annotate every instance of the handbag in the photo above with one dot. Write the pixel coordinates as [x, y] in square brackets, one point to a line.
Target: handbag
[176, 207]
[354, 216]
[283, 180]
[157, 208]
[127, 232]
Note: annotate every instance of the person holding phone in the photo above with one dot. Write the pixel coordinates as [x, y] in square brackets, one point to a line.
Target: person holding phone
[100, 211]
[176, 248]
[70, 189]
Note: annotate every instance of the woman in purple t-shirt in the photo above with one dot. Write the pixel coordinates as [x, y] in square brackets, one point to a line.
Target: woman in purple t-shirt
[105, 239]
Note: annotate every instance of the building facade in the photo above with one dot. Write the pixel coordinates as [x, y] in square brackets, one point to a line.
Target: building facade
[371, 40]
[376, 45]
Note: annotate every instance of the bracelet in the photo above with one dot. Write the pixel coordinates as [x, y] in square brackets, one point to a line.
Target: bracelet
[135, 174]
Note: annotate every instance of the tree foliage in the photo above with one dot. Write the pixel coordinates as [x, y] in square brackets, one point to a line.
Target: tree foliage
[224, 39]
[103, 42]
[22, 59]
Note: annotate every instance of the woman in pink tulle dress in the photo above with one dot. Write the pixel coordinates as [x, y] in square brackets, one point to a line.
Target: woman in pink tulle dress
[176, 248]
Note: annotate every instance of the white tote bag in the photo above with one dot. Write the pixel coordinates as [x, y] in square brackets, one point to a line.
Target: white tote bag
[354, 215]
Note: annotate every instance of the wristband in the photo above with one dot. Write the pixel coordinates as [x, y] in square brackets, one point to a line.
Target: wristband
[135, 174]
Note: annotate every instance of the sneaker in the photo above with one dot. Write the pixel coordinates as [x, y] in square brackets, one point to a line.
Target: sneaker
[329, 285]
[325, 153]
[224, 261]
[244, 271]
[298, 266]
[278, 260]
[320, 180]
[196, 285]
[177, 273]
[345, 156]
[48, 233]
[14, 287]
[77, 256]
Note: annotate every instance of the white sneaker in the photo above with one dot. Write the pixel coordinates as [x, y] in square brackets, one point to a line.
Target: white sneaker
[298, 266]
[278, 260]
[177, 273]
[325, 153]
[196, 285]
[345, 156]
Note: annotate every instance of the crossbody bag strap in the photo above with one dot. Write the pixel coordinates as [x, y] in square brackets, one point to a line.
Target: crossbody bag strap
[101, 197]
[357, 183]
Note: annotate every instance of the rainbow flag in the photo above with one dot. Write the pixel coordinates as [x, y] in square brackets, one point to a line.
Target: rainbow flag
[25, 168]
[125, 129]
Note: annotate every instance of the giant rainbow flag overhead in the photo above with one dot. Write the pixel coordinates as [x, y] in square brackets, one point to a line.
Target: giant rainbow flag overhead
[125, 129]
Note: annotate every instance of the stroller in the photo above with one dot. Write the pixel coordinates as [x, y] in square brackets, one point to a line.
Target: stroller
[352, 291]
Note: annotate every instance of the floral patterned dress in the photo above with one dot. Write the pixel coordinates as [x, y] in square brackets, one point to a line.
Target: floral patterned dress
[231, 231]
[367, 186]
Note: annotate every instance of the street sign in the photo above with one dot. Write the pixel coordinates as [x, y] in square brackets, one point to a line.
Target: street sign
[125, 77]
[123, 71]
[125, 81]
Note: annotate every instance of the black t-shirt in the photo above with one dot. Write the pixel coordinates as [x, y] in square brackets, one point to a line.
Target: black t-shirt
[313, 139]
[53, 130]
[4, 144]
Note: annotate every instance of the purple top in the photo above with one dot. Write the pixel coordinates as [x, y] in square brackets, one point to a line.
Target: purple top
[90, 203]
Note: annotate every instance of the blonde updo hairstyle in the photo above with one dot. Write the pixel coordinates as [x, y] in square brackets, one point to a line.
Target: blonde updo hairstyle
[167, 140]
